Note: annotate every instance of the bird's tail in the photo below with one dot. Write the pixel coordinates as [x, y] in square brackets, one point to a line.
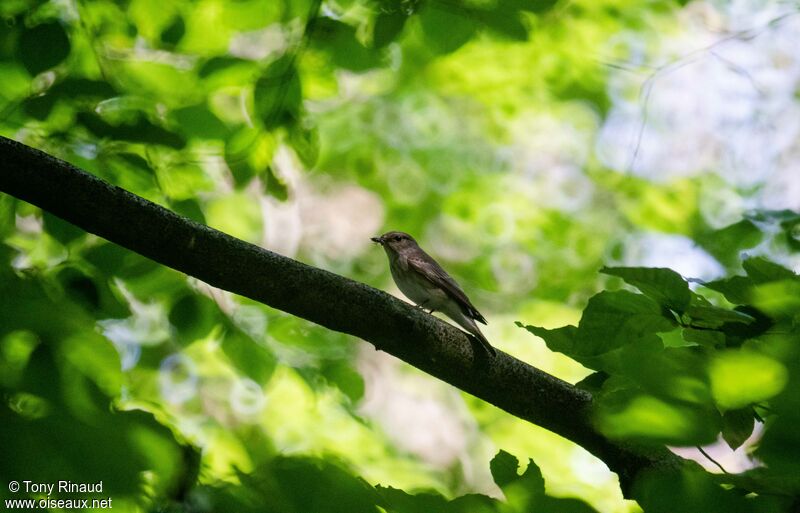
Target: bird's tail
[469, 324]
[485, 343]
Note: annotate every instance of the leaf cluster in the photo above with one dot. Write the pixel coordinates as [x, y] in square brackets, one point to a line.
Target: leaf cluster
[683, 366]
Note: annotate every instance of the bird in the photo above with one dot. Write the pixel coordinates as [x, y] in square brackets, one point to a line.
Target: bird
[424, 282]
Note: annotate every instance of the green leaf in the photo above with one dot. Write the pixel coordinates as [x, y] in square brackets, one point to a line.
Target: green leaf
[193, 316]
[561, 340]
[298, 8]
[278, 94]
[94, 294]
[388, 26]
[39, 107]
[726, 244]
[274, 186]
[761, 270]
[665, 286]
[218, 64]
[690, 490]
[704, 337]
[132, 172]
[117, 447]
[504, 467]
[82, 88]
[43, 47]
[238, 214]
[7, 214]
[248, 153]
[400, 501]
[764, 481]
[189, 208]
[778, 298]
[113, 260]
[739, 289]
[61, 230]
[737, 426]
[593, 382]
[199, 122]
[15, 351]
[524, 492]
[174, 32]
[318, 486]
[252, 359]
[338, 40]
[791, 230]
[95, 357]
[740, 378]
[614, 319]
[779, 449]
[771, 216]
[183, 179]
[302, 335]
[472, 503]
[220, 72]
[536, 6]
[629, 414]
[346, 378]
[139, 130]
[447, 27]
[611, 320]
[736, 289]
[709, 316]
[504, 21]
[677, 374]
[305, 142]
[71, 90]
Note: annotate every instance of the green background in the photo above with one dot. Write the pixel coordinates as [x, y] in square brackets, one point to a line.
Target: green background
[526, 145]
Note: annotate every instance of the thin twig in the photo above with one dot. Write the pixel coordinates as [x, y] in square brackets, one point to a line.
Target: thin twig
[689, 58]
[712, 460]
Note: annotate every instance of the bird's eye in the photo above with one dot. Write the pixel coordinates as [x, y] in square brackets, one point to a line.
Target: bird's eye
[397, 238]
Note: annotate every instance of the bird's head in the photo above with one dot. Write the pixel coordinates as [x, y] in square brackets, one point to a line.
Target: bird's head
[395, 241]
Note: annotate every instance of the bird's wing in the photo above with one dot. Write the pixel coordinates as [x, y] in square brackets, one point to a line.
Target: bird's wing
[433, 272]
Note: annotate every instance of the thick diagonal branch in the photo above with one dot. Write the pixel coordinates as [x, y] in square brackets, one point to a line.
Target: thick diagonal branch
[319, 296]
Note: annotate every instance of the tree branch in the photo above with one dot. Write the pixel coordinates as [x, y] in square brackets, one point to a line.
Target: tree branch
[319, 296]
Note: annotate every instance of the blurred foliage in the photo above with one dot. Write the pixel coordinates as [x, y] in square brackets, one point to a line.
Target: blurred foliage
[308, 125]
[674, 368]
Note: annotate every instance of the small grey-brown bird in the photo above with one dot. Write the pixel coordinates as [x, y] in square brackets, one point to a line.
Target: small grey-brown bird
[424, 282]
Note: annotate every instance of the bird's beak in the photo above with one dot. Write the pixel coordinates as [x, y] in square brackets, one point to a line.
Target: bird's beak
[379, 240]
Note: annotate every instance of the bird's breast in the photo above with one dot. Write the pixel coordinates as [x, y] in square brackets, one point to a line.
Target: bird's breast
[414, 286]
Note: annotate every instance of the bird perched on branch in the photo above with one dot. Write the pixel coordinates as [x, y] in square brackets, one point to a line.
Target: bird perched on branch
[424, 282]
